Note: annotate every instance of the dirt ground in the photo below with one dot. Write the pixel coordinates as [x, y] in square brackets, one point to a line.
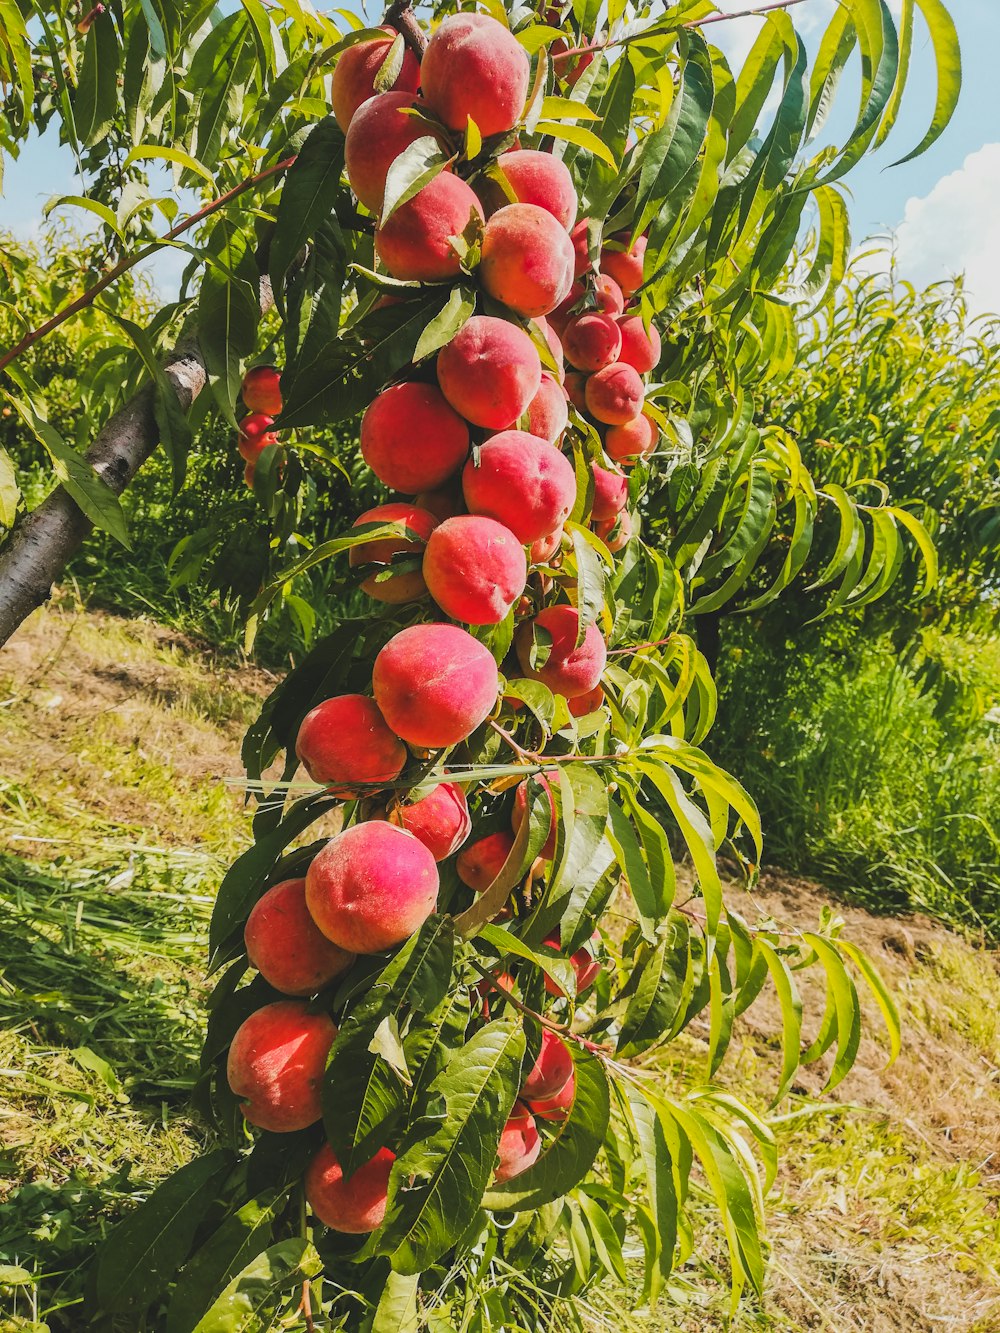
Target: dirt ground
[884, 1217]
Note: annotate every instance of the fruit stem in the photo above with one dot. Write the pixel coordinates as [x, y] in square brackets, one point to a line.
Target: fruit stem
[560, 1029]
[530, 755]
[88, 297]
[400, 15]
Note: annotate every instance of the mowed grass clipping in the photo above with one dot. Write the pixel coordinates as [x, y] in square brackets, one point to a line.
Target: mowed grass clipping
[119, 810]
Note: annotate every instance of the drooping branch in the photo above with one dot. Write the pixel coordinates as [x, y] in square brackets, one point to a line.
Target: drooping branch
[37, 552]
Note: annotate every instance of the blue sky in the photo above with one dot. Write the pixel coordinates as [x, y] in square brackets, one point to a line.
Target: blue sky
[942, 208]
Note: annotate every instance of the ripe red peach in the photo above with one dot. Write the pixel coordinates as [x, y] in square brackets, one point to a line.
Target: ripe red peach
[415, 243]
[412, 439]
[544, 548]
[548, 414]
[285, 945]
[555, 346]
[474, 67]
[576, 389]
[527, 259]
[261, 390]
[604, 291]
[371, 887]
[580, 247]
[567, 670]
[435, 684]
[475, 569]
[615, 532]
[571, 69]
[640, 347]
[346, 740]
[276, 1063]
[255, 436]
[355, 73]
[542, 179]
[442, 501]
[520, 808]
[248, 474]
[625, 266]
[356, 1205]
[615, 394]
[586, 703]
[522, 482]
[440, 819]
[519, 1145]
[556, 1109]
[635, 439]
[489, 372]
[402, 587]
[379, 132]
[610, 492]
[479, 863]
[591, 340]
[551, 1071]
[488, 989]
[585, 966]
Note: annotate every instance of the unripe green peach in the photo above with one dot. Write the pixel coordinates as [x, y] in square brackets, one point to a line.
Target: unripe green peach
[405, 586]
[285, 945]
[435, 684]
[371, 887]
[358, 67]
[475, 569]
[276, 1063]
[475, 68]
[489, 372]
[414, 244]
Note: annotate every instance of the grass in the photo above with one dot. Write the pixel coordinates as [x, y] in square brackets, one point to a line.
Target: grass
[117, 828]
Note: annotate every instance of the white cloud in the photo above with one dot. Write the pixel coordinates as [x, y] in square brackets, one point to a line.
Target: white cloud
[951, 230]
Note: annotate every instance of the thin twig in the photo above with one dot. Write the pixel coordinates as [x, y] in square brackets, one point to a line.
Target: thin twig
[694, 23]
[88, 297]
[560, 1029]
[743, 13]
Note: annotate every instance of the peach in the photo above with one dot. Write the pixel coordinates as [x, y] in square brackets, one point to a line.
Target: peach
[545, 548]
[557, 1108]
[615, 394]
[519, 1145]
[605, 293]
[440, 819]
[489, 372]
[527, 259]
[286, 947]
[346, 740]
[248, 474]
[261, 390]
[610, 492]
[355, 73]
[581, 249]
[585, 965]
[371, 887]
[480, 862]
[488, 989]
[409, 584]
[255, 436]
[586, 703]
[625, 265]
[356, 1205]
[541, 179]
[475, 569]
[576, 389]
[640, 347]
[276, 1063]
[555, 346]
[435, 684]
[415, 243]
[634, 439]
[551, 1071]
[475, 68]
[615, 532]
[522, 482]
[443, 501]
[412, 439]
[379, 132]
[567, 670]
[571, 69]
[548, 415]
[591, 340]
[520, 809]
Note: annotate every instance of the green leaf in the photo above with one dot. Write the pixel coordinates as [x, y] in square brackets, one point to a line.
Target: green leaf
[448, 1154]
[948, 55]
[145, 1250]
[228, 311]
[415, 167]
[145, 152]
[397, 1306]
[308, 196]
[460, 307]
[10, 492]
[96, 99]
[570, 1153]
[248, 1303]
[579, 135]
[843, 994]
[657, 991]
[589, 583]
[791, 1015]
[882, 994]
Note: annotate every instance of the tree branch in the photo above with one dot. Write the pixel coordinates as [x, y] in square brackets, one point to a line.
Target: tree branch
[401, 16]
[42, 544]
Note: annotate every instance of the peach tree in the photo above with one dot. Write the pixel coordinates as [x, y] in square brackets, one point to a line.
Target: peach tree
[553, 261]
